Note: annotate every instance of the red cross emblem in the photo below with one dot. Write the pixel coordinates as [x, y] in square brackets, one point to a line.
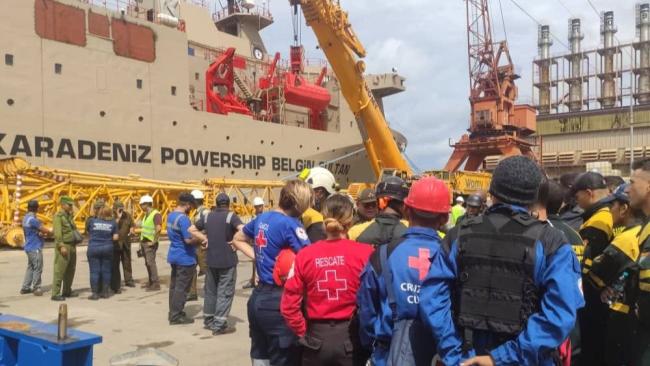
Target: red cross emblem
[421, 262]
[260, 239]
[332, 285]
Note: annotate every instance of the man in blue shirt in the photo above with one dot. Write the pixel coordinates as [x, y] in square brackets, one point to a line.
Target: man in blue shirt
[33, 229]
[507, 287]
[182, 258]
[390, 284]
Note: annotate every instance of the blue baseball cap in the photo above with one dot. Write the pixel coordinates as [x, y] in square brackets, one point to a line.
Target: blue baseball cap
[619, 195]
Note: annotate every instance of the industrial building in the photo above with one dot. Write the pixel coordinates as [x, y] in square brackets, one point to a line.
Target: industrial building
[593, 105]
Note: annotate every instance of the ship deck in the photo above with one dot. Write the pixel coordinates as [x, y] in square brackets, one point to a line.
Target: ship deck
[134, 319]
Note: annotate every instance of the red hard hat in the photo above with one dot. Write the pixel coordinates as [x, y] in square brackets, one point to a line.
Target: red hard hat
[429, 195]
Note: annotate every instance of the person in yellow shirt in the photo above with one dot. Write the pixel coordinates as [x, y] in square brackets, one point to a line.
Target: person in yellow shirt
[610, 272]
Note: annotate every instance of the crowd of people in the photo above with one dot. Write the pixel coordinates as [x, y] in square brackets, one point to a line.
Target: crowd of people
[537, 272]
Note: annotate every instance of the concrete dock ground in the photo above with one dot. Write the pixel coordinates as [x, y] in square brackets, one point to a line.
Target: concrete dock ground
[133, 319]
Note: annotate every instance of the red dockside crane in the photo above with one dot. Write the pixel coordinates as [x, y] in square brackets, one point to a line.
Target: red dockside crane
[497, 125]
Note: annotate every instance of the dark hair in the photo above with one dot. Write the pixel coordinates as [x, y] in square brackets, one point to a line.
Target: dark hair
[567, 180]
[551, 196]
[642, 164]
[426, 219]
[185, 198]
[613, 181]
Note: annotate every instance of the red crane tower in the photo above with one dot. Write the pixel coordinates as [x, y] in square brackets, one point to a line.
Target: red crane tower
[497, 125]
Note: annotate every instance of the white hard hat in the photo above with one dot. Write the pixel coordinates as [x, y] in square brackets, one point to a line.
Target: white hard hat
[198, 195]
[146, 199]
[460, 199]
[321, 177]
[258, 201]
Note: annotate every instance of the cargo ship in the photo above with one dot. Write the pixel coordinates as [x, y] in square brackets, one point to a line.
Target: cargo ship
[171, 90]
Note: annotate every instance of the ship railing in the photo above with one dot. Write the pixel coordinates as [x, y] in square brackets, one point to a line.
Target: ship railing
[262, 11]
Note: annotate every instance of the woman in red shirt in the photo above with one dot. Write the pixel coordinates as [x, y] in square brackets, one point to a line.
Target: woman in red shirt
[326, 274]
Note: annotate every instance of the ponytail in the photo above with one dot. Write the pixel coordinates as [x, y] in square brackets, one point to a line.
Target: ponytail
[338, 211]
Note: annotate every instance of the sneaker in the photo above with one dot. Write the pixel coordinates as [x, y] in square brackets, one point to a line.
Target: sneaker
[153, 288]
[72, 294]
[58, 298]
[129, 284]
[38, 292]
[117, 292]
[94, 296]
[192, 298]
[181, 320]
[224, 330]
[25, 291]
[248, 285]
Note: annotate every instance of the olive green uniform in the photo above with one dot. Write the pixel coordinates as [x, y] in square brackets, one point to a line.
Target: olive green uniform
[200, 214]
[64, 266]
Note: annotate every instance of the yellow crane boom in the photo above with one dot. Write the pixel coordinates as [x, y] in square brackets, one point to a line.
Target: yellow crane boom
[342, 49]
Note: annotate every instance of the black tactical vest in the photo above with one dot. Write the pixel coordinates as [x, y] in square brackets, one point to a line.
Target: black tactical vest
[382, 230]
[495, 291]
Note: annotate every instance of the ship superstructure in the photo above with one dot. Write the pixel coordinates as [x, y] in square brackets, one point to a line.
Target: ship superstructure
[170, 90]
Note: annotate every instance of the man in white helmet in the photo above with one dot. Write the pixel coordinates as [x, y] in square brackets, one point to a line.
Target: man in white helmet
[258, 205]
[324, 184]
[200, 215]
[151, 227]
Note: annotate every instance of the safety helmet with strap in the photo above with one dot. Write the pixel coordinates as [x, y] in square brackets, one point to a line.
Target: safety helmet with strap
[393, 187]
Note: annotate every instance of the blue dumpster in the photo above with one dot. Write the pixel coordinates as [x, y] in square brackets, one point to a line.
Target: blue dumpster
[25, 342]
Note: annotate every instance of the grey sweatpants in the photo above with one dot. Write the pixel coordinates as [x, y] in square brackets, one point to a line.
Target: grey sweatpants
[34, 270]
[219, 294]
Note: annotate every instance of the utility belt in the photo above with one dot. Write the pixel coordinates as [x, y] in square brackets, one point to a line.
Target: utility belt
[268, 287]
[330, 322]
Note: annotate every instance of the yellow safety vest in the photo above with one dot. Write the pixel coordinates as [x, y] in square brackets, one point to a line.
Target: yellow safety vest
[149, 226]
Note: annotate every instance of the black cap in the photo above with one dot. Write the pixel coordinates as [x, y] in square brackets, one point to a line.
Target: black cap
[185, 198]
[588, 180]
[367, 196]
[222, 199]
[516, 180]
[32, 204]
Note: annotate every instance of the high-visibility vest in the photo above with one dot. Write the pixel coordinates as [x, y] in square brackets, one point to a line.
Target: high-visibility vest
[456, 212]
[149, 227]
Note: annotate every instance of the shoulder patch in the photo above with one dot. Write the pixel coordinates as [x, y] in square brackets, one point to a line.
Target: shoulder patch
[301, 233]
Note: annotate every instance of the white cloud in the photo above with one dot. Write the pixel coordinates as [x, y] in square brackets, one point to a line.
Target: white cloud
[425, 40]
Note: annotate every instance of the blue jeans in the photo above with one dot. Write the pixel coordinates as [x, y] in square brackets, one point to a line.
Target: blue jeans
[100, 261]
[271, 338]
[34, 270]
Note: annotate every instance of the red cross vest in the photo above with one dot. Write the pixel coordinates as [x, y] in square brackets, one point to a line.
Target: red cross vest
[327, 273]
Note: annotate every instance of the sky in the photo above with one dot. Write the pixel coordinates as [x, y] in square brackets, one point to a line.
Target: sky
[426, 41]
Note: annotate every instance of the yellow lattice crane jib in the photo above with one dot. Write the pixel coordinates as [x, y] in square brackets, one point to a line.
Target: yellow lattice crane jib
[21, 182]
